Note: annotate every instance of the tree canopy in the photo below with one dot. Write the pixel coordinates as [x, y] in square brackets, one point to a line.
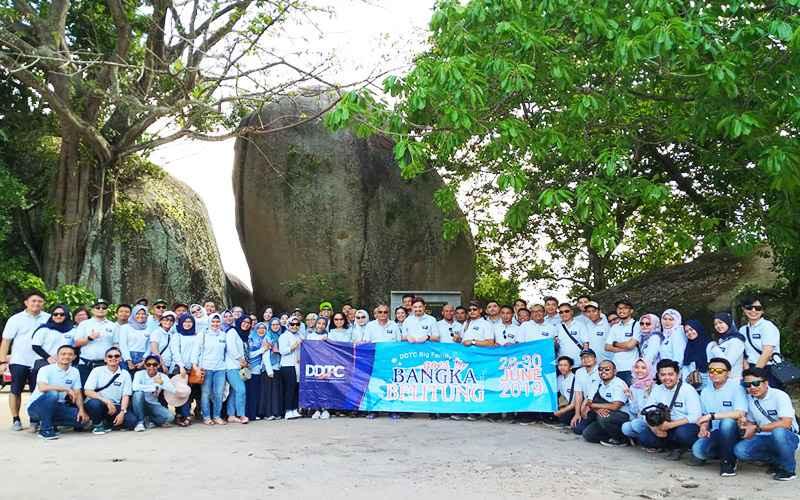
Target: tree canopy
[618, 136]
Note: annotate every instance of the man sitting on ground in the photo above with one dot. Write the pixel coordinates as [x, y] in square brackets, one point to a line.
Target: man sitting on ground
[602, 410]
[108, 394]
[148, 384]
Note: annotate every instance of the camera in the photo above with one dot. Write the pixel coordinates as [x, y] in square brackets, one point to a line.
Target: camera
[656, 414]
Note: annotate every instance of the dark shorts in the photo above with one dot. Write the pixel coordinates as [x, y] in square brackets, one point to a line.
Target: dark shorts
[21, 375]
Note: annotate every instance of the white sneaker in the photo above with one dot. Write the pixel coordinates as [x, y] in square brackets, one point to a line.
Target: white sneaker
[139, 427]
[288, 415]
[270, 418]
[316, 415]
[325, 415]
[296, 414]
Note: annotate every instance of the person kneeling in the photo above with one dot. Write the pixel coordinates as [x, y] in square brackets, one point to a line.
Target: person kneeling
[148, 384]
[602, 414]
[57, 398]
[723, 403]
[108, 393]
[770, 427]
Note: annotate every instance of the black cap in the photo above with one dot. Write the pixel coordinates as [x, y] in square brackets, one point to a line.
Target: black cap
[624, 301]
[100, 301]
[160, 301]
[143, 301]
[588, 352]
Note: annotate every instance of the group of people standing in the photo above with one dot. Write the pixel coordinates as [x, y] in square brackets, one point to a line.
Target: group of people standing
[654, 381]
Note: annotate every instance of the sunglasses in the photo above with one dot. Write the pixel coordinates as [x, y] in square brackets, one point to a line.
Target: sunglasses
[754, 383]
[294, 324]
[473, 308]
[605, 369]
[754, 308]
[160, 307]
[645, 323]
[717, 371]
[564, 311]
[102, 308]
[151, 364]
[114, 356]
[58, 315]
[383, 312]
[361, 317]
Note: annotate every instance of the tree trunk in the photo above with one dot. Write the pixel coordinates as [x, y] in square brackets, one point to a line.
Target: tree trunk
[66, 244]
[598, 268]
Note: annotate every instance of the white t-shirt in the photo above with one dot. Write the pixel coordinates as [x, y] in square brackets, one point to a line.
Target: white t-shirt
[587, 382]
[420, 328]
[775, 403]
[133, 340]
[596, 334]
[566, 345]
[52, 340]
[19, 328]
[377, 333]
[53, 375]
[447, 330]
[96, 349]
[101, 375]
[731, 349]
[687, 404]
[567, 386]
[532, 330]
[507, 334]
[144, 383]
[340, 335]
[762, 333]
[623, 332]
[672, 347]
[614, 390]
[477, 330]
[729, 397]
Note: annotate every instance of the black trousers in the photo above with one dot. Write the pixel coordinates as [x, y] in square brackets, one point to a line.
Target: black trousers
[290, 387]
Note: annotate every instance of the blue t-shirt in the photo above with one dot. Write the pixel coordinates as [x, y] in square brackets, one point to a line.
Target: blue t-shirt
[729, 397]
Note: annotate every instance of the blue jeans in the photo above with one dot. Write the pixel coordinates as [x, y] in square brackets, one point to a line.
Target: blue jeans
[682, 437]
[152, 411]
[213, 387]
[719, 444]
[237, 398]
[99, 413]
[777, 447]
[634, 428]
[50, 412]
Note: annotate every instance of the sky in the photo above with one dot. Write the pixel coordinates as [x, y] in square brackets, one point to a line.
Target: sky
[363, 35]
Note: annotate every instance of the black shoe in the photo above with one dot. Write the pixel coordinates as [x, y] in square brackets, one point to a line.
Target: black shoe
[727, 469]
[613, 443]
[772, 469]
[783, 475]
[695, 462]
[674, 455]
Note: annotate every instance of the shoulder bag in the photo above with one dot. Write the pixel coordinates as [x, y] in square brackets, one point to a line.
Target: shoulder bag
[785, 371]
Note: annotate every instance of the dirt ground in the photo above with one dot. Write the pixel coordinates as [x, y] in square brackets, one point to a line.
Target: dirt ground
[354, 458]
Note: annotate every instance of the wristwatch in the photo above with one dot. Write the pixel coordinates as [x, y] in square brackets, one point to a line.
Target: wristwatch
[124, 410]
[712, 415]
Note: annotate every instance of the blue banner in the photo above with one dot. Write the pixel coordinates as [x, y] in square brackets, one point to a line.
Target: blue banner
[428, 377]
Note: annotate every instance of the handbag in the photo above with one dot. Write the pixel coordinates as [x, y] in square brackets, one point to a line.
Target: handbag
[785, 371]
[196, 374]
[245, 373]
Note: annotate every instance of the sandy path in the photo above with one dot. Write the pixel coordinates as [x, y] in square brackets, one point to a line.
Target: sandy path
[355, 458]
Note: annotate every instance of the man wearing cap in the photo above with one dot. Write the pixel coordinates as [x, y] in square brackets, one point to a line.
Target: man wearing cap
[587, 378]
[19, 329]
[161, 338]
[108, 393]
[56, 385]
[597, 329]
[147, 386]
[94, 337]
[159, 306]
[622, 340]
[325, 310]
[179, 308]
[143, 302]
[477, 331]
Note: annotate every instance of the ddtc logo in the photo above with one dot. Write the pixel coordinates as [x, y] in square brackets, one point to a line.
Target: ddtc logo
[324, 371]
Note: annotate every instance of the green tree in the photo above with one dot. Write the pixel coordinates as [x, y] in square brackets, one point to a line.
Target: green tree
[492, 284]
[618, 135]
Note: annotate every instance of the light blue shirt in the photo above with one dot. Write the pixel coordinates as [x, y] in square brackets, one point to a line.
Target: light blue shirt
[567, 346]
[144, 383]
[53, 375]
[383, 333]
[420, 328]
[121, 387]
[163, 342]
[182, 348]
[776, 404]
[762, 333]
[19, 328]
[234, 350]
[51, 340]
[96, 349]
[729, 397]
[623, 332]
[611, 391]
[209, 350]
[687, 404]
[133, 340]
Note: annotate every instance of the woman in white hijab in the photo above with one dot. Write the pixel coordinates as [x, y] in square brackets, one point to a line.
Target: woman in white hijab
[359, 331]
[674, 342]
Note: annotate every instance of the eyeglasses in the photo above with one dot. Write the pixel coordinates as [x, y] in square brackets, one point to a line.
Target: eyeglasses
[160, 307]
[565, 311]
[58, 315]
[473, 309]
[717, 371]
[153, 365]
[754, 308]
[113, 356]
[754, 383]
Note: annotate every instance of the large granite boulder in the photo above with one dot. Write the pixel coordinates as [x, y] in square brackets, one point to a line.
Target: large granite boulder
[239, 293]
[158, 243]
[316, 206]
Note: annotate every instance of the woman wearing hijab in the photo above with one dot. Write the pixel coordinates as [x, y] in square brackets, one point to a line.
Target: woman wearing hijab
[236, 359]
[729, 344]
[49, 336]
[134, 339]
[259, 347]
[694, 368]
[289, 345]
[272, 392]
[200, 317]
[673, 337]
[161, 339]
[183, 346]
[358, 332]
[209, 356]
[642, 374]
[228, 321]
[650, 327]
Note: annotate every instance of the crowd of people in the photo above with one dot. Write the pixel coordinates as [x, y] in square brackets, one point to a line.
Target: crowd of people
[656, 382]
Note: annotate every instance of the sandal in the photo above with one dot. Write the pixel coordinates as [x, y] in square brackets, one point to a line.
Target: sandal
[243, 420]
[219, 421]
[208, 421]
[233, 420]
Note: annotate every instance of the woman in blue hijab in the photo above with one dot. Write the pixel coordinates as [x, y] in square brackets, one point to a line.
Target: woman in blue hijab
[729, 344]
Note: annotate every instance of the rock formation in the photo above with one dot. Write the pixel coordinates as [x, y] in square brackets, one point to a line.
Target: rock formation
[332, 206]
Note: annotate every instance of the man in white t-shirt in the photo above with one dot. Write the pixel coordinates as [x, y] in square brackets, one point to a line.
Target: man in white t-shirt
[419, 327]
[762, 337]
[19, 329]
[537, 328]
[602, 409]
[506, 332]
[551, 311]
[477, 331]
[571, 335]
[449, 330]
[770, 428]
[622, 341]
[94, 337]
[382, 329]
[597, 329]
[108, 392]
